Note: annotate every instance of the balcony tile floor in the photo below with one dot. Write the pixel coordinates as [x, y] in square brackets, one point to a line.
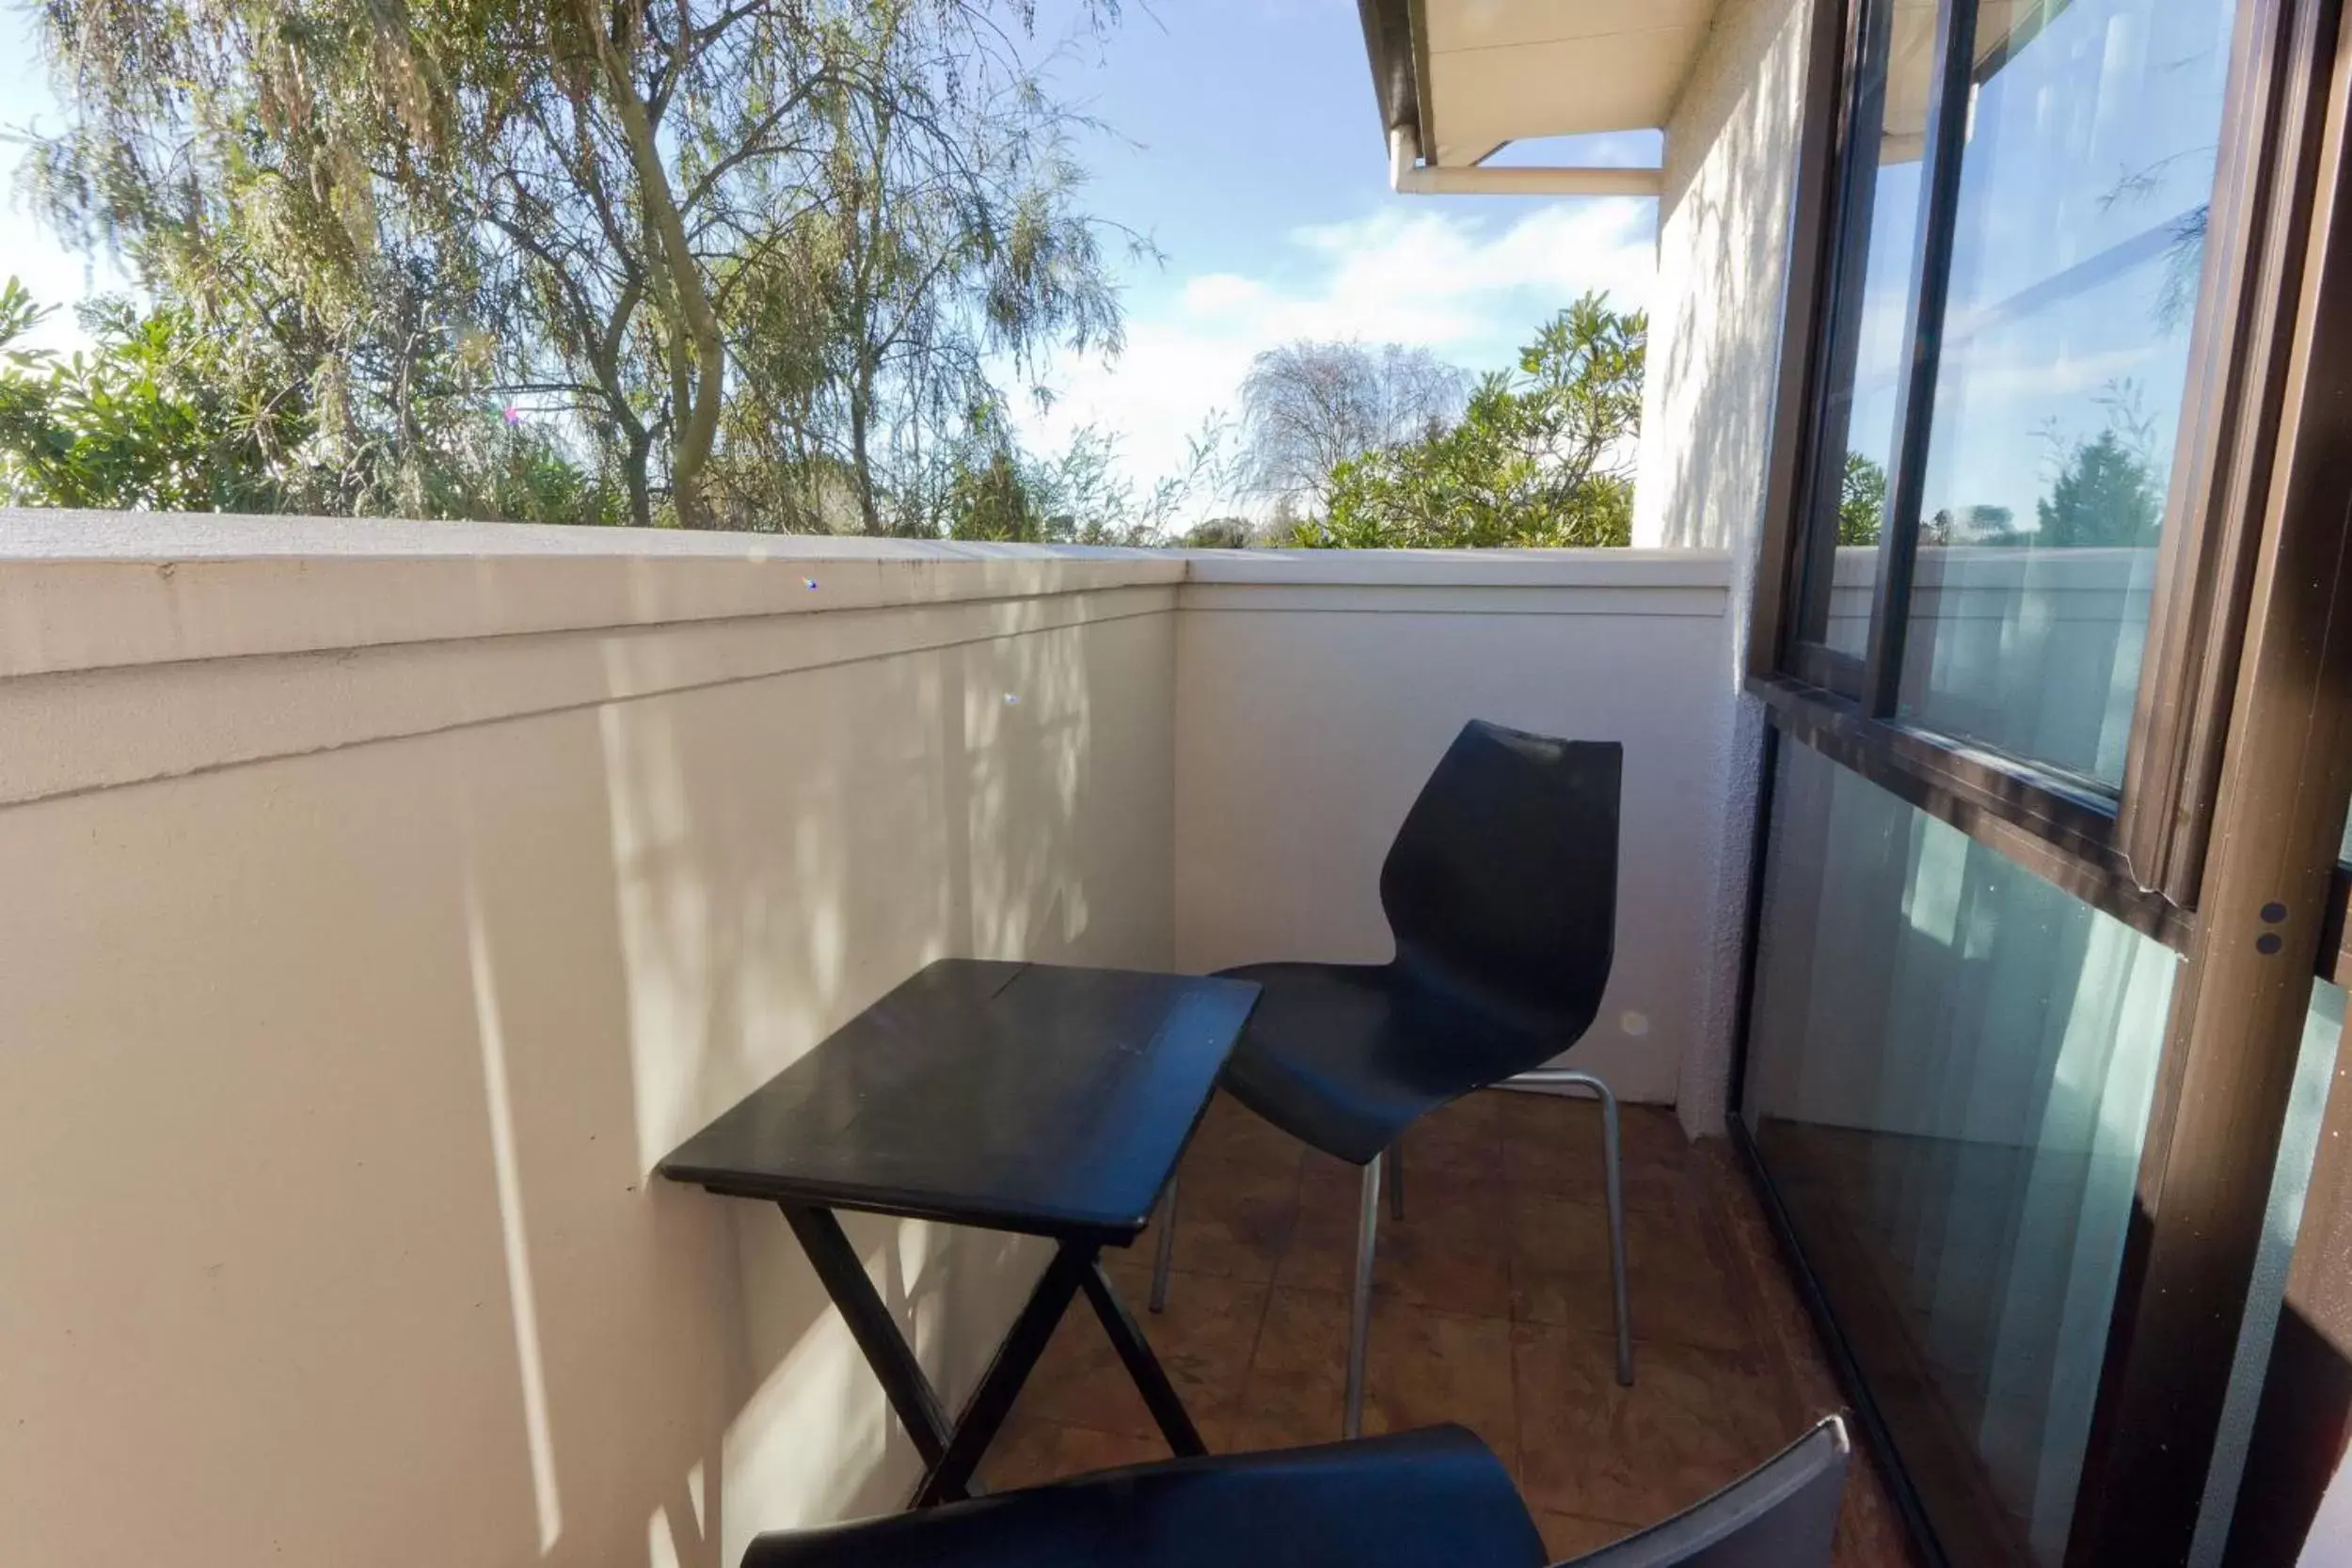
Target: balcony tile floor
[1491, 1308]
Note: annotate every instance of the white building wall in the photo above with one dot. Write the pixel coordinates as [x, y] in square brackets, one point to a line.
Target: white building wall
[385, 900]
[377, 916]
[1315, 692]
[1707, 414]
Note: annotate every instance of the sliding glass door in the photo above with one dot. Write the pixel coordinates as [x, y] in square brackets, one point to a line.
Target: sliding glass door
[1949, 1071]
[2054, 636]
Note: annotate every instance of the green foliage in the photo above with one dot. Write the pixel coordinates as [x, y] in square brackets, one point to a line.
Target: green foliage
[1539, 458]
[1977, 525]
[1219, 533]
[758, 257]
[1861, 500]
[154, 419]
[1077, 497]
[749, 264]
[166, 412]
[1308, 406]
[2104, 494]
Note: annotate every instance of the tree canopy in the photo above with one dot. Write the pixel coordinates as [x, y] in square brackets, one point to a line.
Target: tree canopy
[1542, 458]
[761, 262]
[1860, 499]
[781, 264]
[166, 412]
[1307, 408]
[2105, 493]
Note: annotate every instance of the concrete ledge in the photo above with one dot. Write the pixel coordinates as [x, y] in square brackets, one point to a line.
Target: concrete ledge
[1596, 568]
[84, 591]
[91, 589]
[103, 729]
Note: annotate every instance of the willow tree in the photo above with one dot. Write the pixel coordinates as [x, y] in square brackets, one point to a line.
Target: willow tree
[749, 253]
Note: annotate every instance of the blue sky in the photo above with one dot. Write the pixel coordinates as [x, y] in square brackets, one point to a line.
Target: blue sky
[1242, 139]
[31, 253]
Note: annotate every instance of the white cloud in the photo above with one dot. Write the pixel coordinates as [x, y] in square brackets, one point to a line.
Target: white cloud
[1468, 290]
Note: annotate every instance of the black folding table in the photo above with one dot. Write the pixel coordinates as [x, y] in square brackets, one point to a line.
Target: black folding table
[1028, 1098]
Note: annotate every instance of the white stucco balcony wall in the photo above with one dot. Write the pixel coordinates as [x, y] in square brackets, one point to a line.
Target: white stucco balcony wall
[387, 899]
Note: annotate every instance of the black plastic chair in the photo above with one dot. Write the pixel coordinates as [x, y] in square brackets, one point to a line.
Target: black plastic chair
[1500, 891]
[1434, 1499]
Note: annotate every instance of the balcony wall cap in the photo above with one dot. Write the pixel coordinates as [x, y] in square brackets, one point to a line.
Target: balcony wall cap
[82, 591]
[1578, 568]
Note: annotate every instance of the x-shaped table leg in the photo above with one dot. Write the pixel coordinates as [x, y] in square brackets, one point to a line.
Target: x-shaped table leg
[952, 1453]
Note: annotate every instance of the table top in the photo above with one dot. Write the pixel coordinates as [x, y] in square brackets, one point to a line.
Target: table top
[1030, 1098]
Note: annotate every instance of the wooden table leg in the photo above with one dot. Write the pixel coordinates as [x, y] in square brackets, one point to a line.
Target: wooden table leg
[992, 1401]
[843, 1274]
[1159, 1395]
[951, 1454]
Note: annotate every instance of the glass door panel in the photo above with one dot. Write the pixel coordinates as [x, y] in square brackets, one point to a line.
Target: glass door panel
[1950, 1068]
[1869, 346]
[2085, 181]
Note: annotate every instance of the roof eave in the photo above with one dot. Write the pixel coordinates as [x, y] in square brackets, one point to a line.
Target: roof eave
[1388, 47]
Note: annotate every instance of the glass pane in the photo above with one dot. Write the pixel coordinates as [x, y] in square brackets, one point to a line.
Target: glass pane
[1879, 224]
[2083, 193]
[1950, 1067]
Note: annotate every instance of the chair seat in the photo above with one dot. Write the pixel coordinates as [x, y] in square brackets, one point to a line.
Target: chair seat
[1434, 1498]
[1346, 1056]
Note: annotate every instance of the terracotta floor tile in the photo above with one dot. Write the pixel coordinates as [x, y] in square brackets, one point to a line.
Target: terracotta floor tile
[1681, 1291]
[1551, 1143]
[1229, 1222]
[1203, 1339]
[1451, 1253]
[1652, 1134]
[1726, 1366]
[1031, 1451]
[1233, 1137]
[1694, 1420]
[1423, 1368]
[1455, 1160]
[1566, 1535]
[1428, 1367]
[1870, 1532]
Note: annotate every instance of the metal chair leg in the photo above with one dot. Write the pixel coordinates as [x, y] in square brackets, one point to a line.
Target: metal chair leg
[1611, 1166]
[1164, 1254]
[1394, 1159]
[1359, 1319]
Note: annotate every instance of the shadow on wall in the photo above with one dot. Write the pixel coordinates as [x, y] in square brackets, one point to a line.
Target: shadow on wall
[1722, 223]
[774, 855]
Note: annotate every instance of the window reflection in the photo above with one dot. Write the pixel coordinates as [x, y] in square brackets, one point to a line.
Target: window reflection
[1867, 352]
[2084, 186]
[1950, 1066]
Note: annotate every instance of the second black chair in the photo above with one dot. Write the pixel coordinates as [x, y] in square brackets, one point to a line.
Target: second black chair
[1434, 1499]
[1500, 891]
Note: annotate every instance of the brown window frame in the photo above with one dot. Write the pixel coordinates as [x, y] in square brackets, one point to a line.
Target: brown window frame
[2147, 837]
[2223, 839]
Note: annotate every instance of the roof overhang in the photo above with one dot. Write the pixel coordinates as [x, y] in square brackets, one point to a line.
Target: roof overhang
[1459, 80]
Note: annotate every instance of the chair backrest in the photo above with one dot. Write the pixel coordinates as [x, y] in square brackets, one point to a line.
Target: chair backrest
[1783, 1515]
[1501, 886]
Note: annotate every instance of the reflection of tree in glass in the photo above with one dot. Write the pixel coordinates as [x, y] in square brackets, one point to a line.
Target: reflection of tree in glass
[1971, 525]
[2184, 236]
[2106, 489]
[1861, 500]
[2103, 496]
[2184, 257]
